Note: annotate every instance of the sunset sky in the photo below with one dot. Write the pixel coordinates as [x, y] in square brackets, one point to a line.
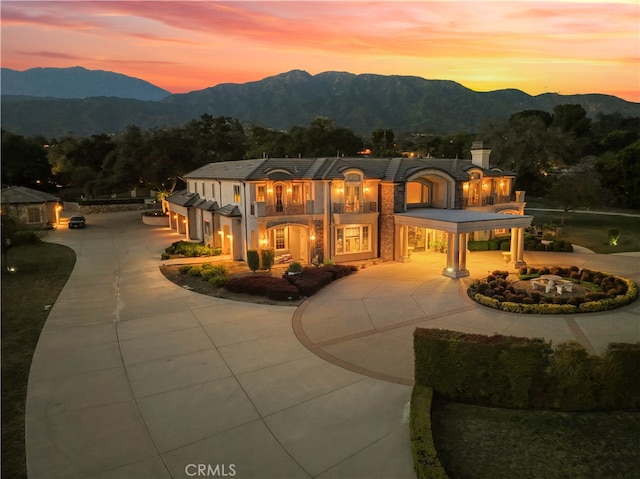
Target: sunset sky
[560, 46]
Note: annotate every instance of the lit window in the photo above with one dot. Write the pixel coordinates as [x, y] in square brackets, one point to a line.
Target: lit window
[352, 239]
[236, 193]
[280, 238]
[261, 193]
[417, 193]
[295, 195]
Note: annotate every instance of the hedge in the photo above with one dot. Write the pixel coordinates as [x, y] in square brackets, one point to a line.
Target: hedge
[523, 373]
[263, 285]
[425, 457]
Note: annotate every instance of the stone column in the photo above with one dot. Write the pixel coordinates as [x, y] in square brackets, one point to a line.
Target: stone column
[456, 256]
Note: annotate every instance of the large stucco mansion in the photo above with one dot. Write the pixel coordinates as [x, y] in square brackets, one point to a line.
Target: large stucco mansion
[351, 209]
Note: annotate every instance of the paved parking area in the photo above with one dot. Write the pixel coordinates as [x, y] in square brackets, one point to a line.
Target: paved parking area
[135, 377]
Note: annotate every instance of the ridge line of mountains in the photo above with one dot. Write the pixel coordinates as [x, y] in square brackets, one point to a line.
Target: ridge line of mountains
[58, 101]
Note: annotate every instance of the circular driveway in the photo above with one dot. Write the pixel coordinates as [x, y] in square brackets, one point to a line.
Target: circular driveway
[366, 321]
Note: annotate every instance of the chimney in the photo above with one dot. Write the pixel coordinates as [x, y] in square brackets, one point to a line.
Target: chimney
[480, 154]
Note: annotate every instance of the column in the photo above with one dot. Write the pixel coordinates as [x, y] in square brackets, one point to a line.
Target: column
[517, 248]
[456, 256]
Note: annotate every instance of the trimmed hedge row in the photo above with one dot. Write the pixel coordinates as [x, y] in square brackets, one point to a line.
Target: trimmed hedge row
[531, 243]
[425, 457]
[523, 373]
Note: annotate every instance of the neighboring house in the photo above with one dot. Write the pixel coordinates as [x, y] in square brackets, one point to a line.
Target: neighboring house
[32, 207]
[351, 209]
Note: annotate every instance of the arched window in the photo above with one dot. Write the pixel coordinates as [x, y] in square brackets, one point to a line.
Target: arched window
[353, 191]
[418, 194]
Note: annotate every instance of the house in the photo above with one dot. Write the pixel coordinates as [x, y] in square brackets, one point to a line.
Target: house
[34, 208]
[351, 209]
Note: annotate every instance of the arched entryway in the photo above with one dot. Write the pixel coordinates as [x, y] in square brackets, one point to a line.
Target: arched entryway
[290, 239]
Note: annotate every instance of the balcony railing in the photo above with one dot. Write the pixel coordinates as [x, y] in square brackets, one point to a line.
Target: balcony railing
[487, 201]
[364, 207]
[285, 210]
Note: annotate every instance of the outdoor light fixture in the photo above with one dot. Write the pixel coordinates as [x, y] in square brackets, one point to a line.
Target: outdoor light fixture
[312, 237]
[264, 241]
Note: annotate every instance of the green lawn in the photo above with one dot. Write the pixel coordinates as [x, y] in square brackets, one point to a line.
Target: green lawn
[41, 272]
[590, 230]
[477, 443]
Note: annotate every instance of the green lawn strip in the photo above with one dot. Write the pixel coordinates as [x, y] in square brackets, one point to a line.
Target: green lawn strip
[478, 442]
[590, 230]
[41, 272]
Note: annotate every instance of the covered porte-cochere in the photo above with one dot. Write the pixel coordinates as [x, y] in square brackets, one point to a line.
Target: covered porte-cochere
[456, 226]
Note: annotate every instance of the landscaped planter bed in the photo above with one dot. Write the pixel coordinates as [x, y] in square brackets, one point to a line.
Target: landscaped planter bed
[591, 291]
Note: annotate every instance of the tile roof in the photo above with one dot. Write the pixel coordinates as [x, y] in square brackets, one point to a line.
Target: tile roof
[386, 169]
[22, 195]
[184, 198]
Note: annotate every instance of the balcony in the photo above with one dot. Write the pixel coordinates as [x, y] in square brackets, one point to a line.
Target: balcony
[487, 201]
[285, 210]
[364, 207]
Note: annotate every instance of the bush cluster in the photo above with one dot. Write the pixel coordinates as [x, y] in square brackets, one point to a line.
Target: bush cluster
[266, 285]
[216, 274]
[311, 280]
[308, 282]
[511, 372]
[605, 292]
[190, 250]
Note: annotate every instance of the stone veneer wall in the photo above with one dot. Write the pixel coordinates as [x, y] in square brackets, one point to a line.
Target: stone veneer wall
[387, 208]
[318, 226]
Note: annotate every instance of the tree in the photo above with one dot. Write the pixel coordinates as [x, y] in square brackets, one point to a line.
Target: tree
[215, 139]
[383, 143]
[24, 161]
[578, 186]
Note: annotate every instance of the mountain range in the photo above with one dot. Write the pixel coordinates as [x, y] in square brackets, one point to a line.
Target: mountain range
[54, 102]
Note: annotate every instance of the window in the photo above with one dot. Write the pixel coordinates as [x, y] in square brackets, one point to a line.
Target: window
[236, 193]
[203, 189]
[207, 228]
[417, 193]
[295, 195]
[280, 238]
[213, 192]
[261, 193]
[33, 215]
[352, 239]
[352, 191]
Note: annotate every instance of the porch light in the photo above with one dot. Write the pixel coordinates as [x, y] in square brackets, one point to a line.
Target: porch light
[264, 241]
[269, 190]
[465, 186]
[366, 189]
[289, 189]
[312, 236]
[175, 217]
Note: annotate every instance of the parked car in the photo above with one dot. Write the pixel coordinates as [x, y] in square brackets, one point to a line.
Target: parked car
[77, 222]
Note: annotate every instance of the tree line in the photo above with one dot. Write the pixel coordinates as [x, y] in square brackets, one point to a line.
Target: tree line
[564, 154]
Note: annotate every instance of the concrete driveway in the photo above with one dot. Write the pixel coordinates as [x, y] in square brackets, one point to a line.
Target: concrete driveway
[135, 377]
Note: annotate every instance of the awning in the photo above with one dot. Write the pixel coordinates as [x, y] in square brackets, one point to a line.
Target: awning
[460, 221]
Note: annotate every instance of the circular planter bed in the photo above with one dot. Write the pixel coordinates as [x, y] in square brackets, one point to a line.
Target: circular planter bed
[155, 218]
[585, 291]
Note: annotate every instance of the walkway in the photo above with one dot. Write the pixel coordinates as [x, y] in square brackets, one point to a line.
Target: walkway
[135, 377]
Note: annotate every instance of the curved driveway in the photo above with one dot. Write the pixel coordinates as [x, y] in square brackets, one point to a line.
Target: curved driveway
[135, 377]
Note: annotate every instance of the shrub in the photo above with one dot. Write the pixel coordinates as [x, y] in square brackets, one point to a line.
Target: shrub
[195, 271]
[184, 269]
[263, 285]
[218, 280]
[253, 260]
[267, 257]
[213, 270]
[294, 267]
[188, 249]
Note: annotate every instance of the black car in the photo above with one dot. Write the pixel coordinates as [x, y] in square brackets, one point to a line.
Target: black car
[77, 222]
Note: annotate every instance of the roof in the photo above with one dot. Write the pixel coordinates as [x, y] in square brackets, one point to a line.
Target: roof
[183, 198]
[386, 169]
[461, 221]
[230, 211]
[23, 195]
